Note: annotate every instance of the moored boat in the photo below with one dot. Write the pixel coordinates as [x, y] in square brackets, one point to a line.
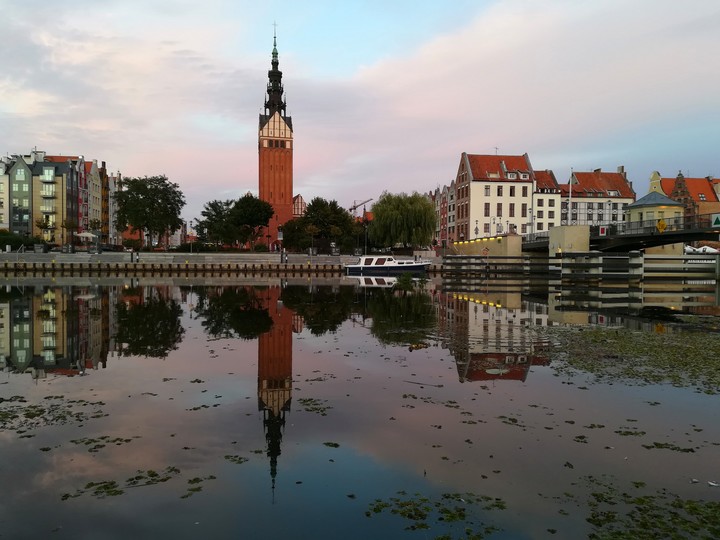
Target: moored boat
[384, 265]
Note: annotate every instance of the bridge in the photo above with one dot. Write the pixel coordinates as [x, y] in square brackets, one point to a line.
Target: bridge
[638, 235]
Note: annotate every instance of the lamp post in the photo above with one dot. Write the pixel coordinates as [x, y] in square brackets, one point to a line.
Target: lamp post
[477, 229]
[494, 230]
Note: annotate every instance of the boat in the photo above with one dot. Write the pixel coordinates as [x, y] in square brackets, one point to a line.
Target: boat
[384, 265]
[380, 282]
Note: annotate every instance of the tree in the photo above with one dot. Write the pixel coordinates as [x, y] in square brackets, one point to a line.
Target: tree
[151, 204]
[405, 219]
[216, 226]
[324, 222]
[248, 216]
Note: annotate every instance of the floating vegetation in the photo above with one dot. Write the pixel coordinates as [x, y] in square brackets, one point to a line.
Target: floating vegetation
[612, 354]
[237, 460]
[638, 512]
[424, 513]
[318, 406]
[195, 486]
[332, 444]
[16, 414]
[96, 444]
[112, 488]
[668, 446]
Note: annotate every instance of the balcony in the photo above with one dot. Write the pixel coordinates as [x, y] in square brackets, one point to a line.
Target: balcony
[48, 194]
[48, 209]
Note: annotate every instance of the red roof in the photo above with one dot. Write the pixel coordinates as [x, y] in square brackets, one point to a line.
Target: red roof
[701, 189]
[545, 180]
[667, 185]
[61, 159]
[598, 181]
[488, 167]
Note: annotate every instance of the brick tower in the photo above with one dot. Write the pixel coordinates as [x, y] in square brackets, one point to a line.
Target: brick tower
[275, 151]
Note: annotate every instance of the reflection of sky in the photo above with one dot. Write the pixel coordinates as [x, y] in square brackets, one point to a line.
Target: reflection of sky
[401, 418]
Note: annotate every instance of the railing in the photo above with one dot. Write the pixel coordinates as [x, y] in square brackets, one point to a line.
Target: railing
[651, 226]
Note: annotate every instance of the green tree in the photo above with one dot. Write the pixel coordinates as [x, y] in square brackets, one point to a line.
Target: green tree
[152, 204]
[324, 222]
[233, 313]
[216, 225]
[403, 219]
[248, 216]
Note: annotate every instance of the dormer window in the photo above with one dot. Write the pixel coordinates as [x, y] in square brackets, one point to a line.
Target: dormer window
[524, 176]
[512, 176]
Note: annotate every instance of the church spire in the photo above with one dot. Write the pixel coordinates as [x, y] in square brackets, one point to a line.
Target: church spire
[274, 101]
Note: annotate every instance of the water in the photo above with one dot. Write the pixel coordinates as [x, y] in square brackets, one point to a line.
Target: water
[323, 412]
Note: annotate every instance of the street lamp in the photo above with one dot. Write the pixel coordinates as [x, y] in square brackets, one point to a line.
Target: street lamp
[477, 230]
[494, 229]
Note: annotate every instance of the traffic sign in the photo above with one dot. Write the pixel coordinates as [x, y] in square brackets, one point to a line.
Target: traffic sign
[715, 220]
[661, 226]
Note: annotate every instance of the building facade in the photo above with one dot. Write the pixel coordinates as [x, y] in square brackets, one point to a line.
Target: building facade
[275, 153]
[596, 197]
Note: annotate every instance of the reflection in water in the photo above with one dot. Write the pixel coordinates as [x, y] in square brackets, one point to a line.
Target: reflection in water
[393, 422]
[148, 322]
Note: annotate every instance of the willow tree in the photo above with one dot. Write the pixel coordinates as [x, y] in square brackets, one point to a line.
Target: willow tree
[402, 219]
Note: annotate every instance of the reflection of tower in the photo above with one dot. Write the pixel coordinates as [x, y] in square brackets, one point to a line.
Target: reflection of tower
[275, 374]
[275, 148]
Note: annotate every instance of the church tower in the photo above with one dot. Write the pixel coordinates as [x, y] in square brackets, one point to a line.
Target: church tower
[275, 150]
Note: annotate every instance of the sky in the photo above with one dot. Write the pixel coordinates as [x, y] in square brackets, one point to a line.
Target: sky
[384, 95]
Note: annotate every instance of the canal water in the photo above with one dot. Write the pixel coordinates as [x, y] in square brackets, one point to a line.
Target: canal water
[278, 410]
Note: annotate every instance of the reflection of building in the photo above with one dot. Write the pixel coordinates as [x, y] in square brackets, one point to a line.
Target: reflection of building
[275, 371]
[54, 330]
[491, 338]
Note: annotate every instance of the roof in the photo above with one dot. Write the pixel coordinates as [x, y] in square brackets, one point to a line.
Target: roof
[667, 185]
[61, 159]
[601, 182]
[700, 189]
[265, 118]
[654, 199]
[545, 180]
[489, 167]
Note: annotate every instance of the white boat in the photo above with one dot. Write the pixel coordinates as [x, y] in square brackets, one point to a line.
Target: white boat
[380, 282]
[384, 265]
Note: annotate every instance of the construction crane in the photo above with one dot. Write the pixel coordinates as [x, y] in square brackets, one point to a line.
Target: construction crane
[357, 205]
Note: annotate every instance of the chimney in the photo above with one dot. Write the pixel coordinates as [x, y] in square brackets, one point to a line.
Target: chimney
[621, 170]
[597, 170]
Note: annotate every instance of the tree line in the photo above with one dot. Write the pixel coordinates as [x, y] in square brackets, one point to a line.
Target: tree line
[154, 204]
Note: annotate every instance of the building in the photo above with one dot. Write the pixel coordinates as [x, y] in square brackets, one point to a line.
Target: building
[275, 153]
[545, 206]
[697, 195]
[597, 197]
[494, 194]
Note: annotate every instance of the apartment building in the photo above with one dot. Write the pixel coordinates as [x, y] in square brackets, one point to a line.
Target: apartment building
[596, 197]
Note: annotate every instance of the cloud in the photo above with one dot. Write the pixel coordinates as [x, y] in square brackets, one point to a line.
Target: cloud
[574, 84]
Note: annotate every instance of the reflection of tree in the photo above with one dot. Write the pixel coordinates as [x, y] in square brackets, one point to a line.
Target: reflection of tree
[149, 329]
[400, 316]
[323, 308]
[233, 312]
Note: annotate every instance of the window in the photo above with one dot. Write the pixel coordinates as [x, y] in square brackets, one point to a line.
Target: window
[499, 210]
[487, 191]
[20, 174]
[540, 214]
[523, 229]
[524, 176]
[486, 210]
[511, 210]
[541, 202]
[551, 203]
[524, 191]
[539, 226]
[523, 210]
[512, 191]
[499, 191]
[511, 176]
[486, 228]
